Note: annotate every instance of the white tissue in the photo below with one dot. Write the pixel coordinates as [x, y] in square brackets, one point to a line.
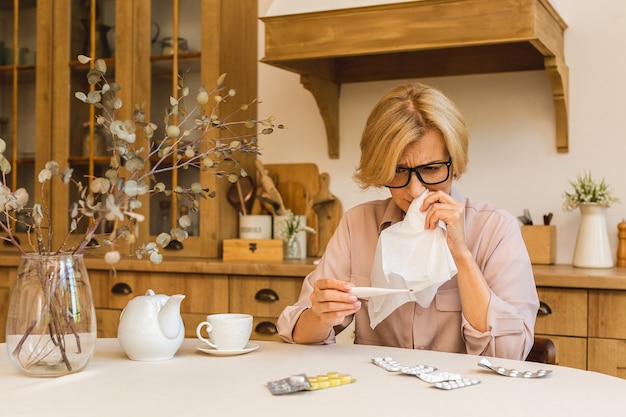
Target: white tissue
[408, 256]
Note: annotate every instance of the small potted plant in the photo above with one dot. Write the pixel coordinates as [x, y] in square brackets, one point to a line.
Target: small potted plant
[592, 197]
[292, 230]
[586, 190]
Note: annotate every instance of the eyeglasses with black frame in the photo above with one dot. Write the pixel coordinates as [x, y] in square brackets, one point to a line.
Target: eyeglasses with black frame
[428, 174]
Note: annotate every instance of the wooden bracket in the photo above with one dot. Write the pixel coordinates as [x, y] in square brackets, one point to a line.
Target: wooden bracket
[326, 95]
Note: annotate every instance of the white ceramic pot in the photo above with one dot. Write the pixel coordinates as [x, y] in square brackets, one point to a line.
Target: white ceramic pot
[593, 249]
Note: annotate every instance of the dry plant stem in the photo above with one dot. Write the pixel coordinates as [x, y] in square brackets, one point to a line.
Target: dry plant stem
[85, 241]
[11, 238]
[27, 333]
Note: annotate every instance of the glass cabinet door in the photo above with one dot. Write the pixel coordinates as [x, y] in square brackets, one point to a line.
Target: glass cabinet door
[92, 33]
[175, 59]
[194, 42]
[18, 51]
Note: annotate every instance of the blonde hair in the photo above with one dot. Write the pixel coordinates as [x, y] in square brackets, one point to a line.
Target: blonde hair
[401, 117]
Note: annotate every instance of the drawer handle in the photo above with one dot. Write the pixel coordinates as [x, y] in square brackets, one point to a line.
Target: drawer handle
[121, 288]
[266, 327]
[267, 295]
[544, 309]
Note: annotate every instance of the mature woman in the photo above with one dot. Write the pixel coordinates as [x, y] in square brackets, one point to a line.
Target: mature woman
[415, 141]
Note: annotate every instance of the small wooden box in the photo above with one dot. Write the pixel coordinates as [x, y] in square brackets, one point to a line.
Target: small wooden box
[252, 249]
[540, 243]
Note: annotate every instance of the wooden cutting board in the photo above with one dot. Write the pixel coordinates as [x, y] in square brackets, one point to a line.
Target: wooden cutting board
[329, 211]
[301, 187]
[306, 174]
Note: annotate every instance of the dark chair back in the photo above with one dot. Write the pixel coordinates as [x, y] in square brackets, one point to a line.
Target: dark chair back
[543, 351]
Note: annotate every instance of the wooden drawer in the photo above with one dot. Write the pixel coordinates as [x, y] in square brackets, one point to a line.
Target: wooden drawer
[204, 294]
[263, 296]
[264, 328]
[568, 316]
[191, 321]
[607, 356]
[106, 294]
[570, 351]
[607, 314]
[107, 321]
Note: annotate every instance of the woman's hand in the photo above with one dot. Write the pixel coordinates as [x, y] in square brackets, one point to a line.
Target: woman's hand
[331, 301]
[444, 207]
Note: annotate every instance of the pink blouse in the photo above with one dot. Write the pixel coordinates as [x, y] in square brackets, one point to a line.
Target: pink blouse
[494, 238]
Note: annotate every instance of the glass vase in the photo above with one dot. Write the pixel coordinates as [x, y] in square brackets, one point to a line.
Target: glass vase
[292, 248]
[51, 325]
[593, 249]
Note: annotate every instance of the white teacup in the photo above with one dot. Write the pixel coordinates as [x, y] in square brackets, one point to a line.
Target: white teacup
[227, 331]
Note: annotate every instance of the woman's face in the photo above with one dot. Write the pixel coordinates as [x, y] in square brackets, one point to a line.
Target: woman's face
[428, 149]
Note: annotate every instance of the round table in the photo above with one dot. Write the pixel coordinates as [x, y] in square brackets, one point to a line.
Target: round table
[194, 383]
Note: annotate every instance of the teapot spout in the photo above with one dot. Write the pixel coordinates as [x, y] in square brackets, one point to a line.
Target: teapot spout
[170, 320]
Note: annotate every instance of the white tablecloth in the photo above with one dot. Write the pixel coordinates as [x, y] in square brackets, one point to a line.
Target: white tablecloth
[198, 384]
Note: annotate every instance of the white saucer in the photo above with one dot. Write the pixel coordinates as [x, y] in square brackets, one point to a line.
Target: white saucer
[215, 352]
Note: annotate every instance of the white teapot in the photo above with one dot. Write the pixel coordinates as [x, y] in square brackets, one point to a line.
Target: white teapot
[151, 327]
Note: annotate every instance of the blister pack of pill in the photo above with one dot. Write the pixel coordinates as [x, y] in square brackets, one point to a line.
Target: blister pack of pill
[391, 365]
[442, 380]
[331, 379]
[293, 383]
[458, 383]
[302, 382]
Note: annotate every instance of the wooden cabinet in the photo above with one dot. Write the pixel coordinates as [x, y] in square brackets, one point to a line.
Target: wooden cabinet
[260, 289]
[204, 294]
[213, 37]
[584, 313]
[210, 286]
[565, 323]
[607, 356]
[264, 297]
[607, 332]
[584, 310]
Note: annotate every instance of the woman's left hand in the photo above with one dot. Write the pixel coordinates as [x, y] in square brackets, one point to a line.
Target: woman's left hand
[444, 207]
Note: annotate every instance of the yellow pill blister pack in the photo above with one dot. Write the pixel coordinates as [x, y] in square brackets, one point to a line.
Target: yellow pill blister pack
[331, 379]
[302, 382]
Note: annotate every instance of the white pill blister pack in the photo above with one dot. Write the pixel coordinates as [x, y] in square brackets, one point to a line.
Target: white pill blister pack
[442, 380]
[391, 365]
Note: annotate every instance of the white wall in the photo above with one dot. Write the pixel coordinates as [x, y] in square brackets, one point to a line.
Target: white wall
[513, 158]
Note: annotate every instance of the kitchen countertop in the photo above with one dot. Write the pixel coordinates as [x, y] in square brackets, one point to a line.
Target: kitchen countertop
[562, 276]
[287, 267]
[567, 276]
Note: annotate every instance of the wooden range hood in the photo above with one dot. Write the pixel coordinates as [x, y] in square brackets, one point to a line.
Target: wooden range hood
[416, 39]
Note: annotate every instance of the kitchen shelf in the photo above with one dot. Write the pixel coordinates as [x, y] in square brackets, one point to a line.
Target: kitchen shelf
[417, 39]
